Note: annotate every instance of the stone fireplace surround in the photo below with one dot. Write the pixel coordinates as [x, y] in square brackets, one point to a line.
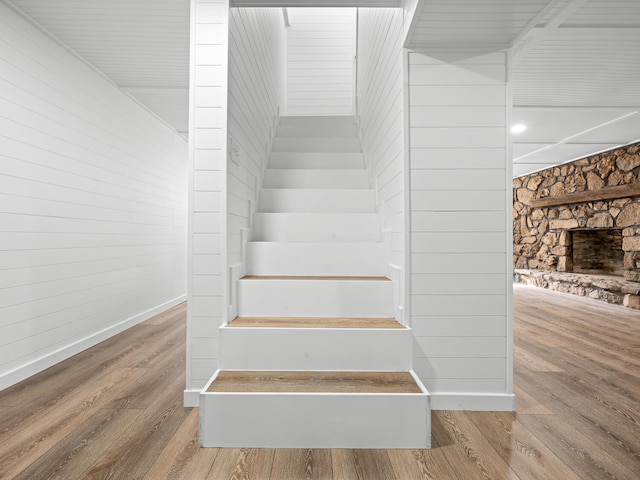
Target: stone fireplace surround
[597, 193]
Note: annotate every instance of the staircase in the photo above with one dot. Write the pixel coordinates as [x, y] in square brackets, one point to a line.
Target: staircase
[315, 358]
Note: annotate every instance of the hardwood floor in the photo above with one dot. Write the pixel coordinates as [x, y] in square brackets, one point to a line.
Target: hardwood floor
[317, 382]
[314, 322]
[115, 411]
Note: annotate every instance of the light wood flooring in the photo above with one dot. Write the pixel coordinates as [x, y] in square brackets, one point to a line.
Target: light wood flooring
[314, 322]
[314, 382]
[316, 277]
[115, 411]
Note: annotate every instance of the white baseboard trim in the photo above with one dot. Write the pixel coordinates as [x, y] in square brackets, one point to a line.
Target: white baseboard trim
[39, 364]
[488, 402]
[192, 398]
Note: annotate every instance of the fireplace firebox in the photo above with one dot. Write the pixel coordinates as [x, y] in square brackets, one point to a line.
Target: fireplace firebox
[597, 251]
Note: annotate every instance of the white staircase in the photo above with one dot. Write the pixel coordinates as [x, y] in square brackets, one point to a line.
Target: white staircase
[315, 358]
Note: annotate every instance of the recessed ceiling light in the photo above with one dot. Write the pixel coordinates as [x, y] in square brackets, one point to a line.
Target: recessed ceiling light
[518, 128]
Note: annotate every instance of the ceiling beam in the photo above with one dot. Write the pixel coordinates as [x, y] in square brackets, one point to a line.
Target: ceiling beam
[576, 135]
[519, 52]
[534, 22]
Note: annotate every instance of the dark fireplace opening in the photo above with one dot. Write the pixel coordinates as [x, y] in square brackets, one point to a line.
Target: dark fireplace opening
[598, 251]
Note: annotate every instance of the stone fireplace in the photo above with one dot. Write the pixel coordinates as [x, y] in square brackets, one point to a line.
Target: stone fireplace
[577, 227]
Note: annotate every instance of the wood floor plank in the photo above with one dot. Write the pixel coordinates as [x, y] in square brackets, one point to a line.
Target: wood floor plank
[582, 455]
[343, 465]
[527, 456]
[31, 439]
[157, 346]
[534, 362]
[357, 464]
[421, 465]
[69, 404]
[162, 373]
[608, 385]
[311, 322]
[183, 458]
[302, 463]
[473, 447]
[527, 405]
[72, 455]
[611, 431]
[316, 277]
[242, 463]
[619, 355]
[132, 454]
[314, 381]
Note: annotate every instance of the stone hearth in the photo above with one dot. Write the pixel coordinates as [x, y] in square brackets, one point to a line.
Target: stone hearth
[610, 289]
[590, 208]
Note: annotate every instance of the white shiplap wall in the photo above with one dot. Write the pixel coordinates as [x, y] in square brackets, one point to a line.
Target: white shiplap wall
[256, 73]
[381, 121]
[207, 187]
[460, 237]
[320, 58]
[249, 44]
[93, 193]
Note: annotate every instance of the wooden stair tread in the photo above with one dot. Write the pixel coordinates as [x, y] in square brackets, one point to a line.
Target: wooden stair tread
[314, 277]
[314, 322]
[313, 382]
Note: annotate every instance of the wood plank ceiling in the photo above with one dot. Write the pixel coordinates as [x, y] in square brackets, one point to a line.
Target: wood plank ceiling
[576, 68]
[141, 45]
[575, 77]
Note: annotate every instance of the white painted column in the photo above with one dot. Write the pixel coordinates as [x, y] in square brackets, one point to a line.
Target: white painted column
[460, 243]
[207, 285]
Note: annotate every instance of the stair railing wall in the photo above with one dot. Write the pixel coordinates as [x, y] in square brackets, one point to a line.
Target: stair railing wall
[380, 121]
[256, 77]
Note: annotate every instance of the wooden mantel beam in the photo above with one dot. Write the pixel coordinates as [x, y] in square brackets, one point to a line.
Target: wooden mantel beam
[607, 193]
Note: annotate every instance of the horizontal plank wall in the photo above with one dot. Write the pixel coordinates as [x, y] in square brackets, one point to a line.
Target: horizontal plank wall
[320, 58]
[207, 191]
[460, 260]
[257, 42]
[381, 123]
[237, 60]
[93, 205]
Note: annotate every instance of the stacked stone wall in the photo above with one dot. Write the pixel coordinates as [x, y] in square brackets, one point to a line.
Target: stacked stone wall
[542, 235]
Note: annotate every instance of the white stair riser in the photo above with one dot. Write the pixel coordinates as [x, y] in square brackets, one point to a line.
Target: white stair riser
[315, 160]
[328, 259]
[315, 298]
[317, 131]
[316, 227]
[338, 349]
[301, 144]
[317, 120]
[307, 420]
[324, 178]
[319, 201]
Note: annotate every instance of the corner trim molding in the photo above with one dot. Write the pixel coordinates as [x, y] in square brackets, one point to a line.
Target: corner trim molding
[191, 398]
[487, 402]
[43, 362]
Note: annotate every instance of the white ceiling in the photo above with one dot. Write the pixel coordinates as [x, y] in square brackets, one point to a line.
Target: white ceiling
[576, 68]
[141, 45]
[576, 75]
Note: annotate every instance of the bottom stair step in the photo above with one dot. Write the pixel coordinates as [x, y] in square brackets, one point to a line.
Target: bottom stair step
[315, 322]
[312, 409]
[317, 382]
